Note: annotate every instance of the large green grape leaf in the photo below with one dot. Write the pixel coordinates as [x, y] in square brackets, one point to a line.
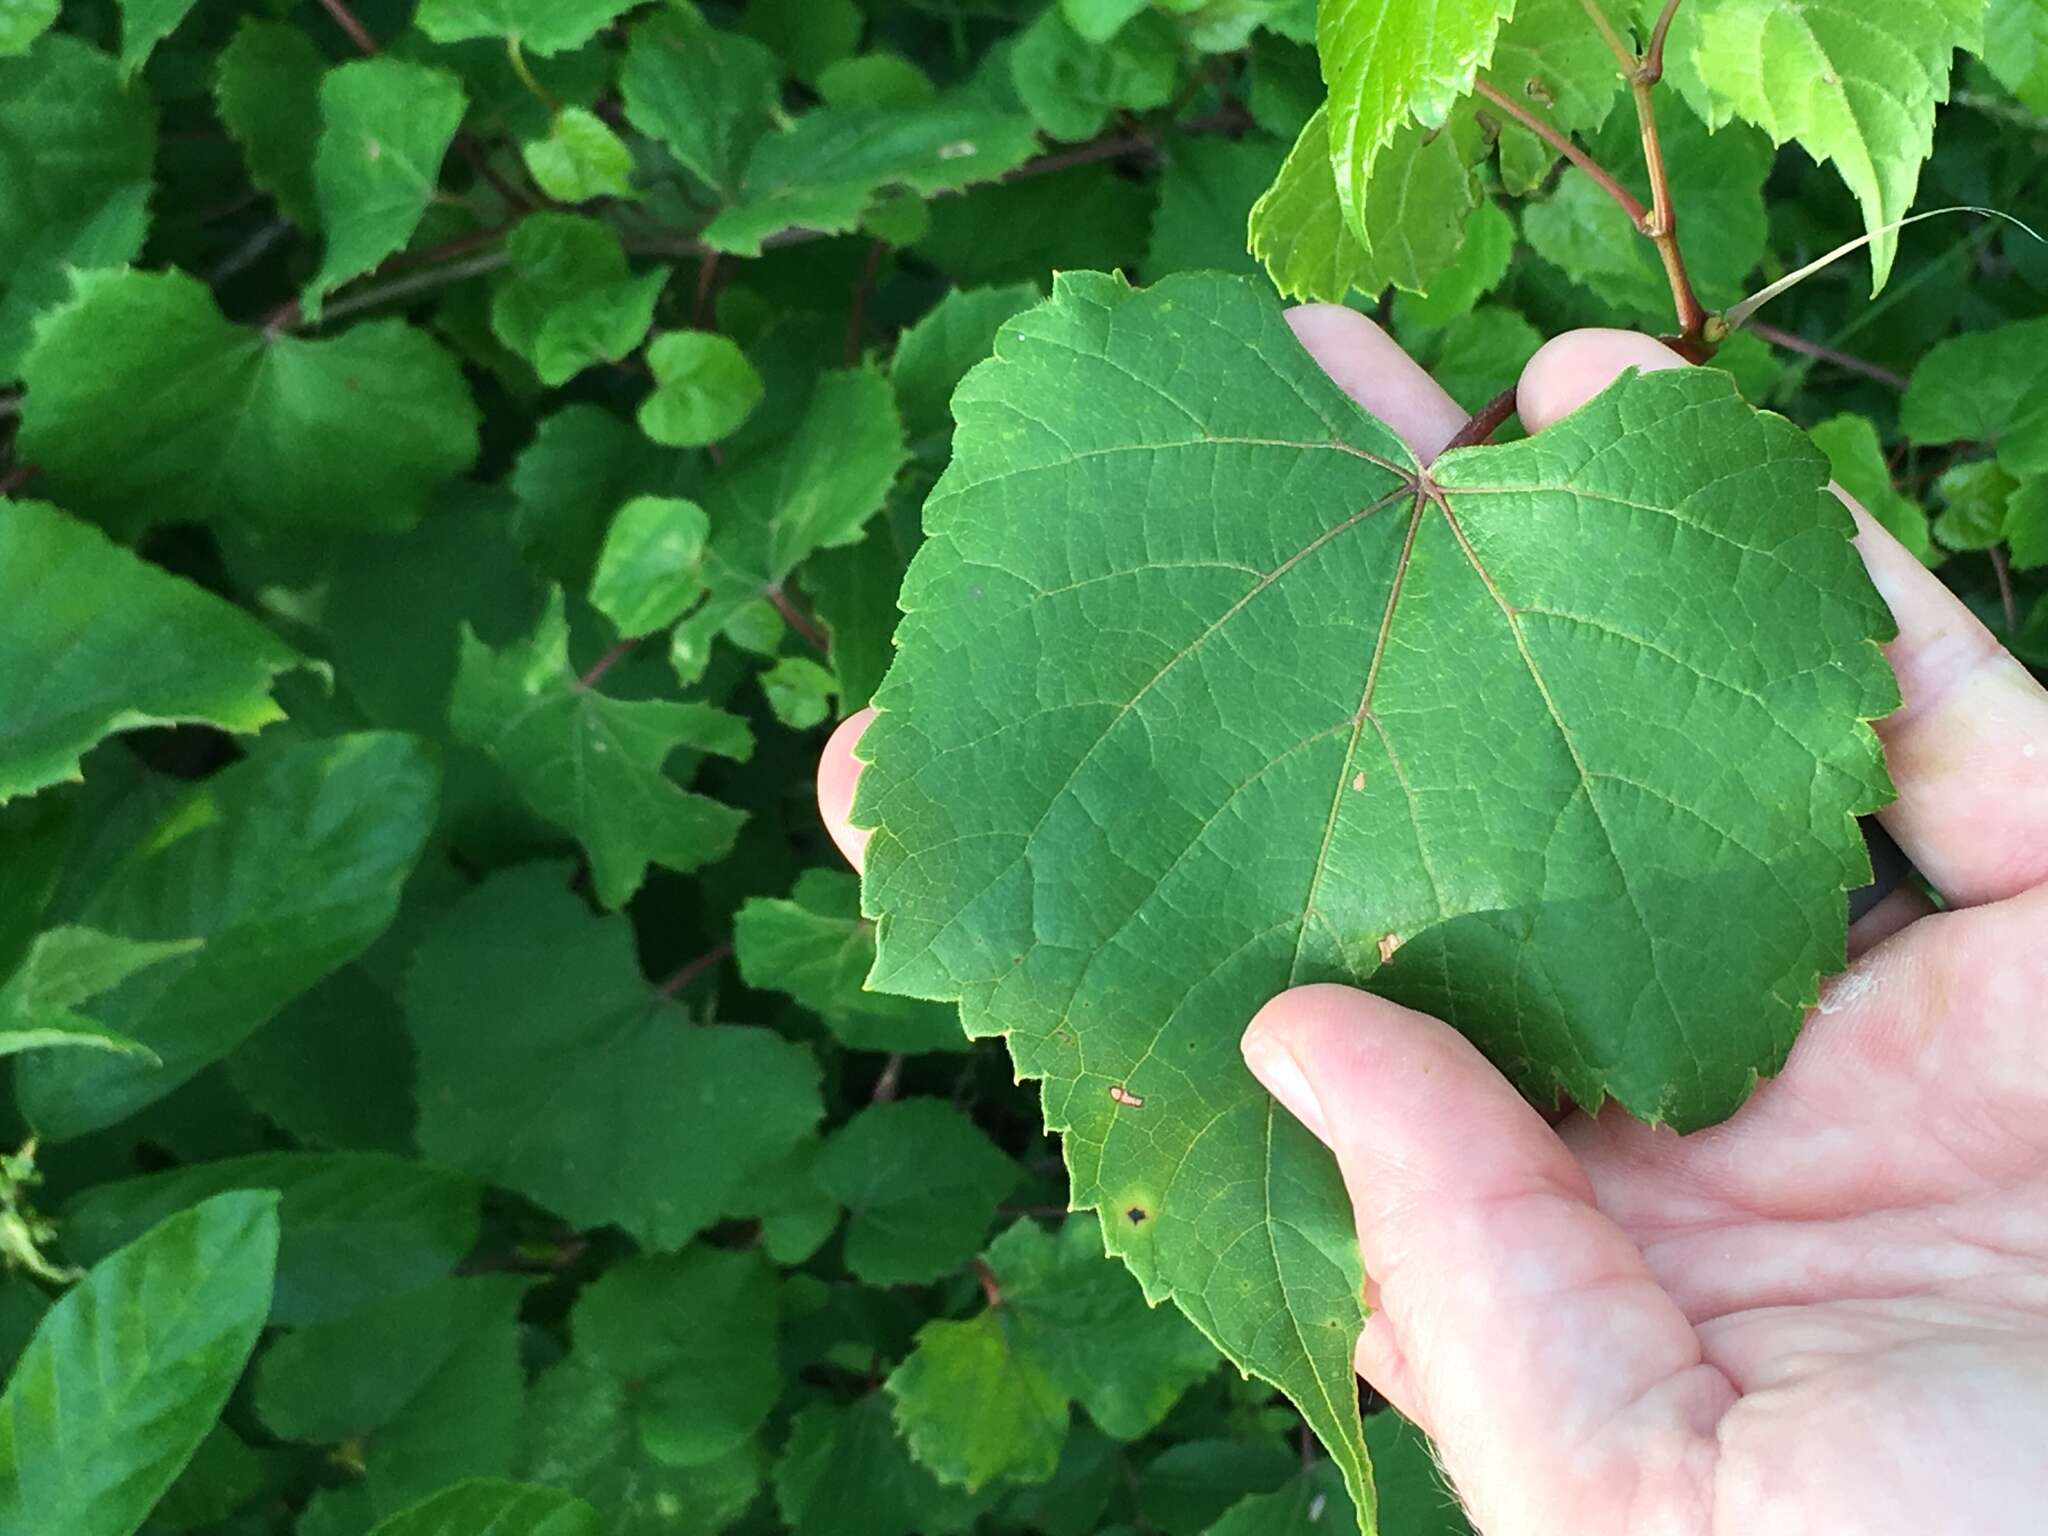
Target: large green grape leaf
[1205, 689]
[262, 81]
[146, 406]
[708, 95]
[1389, 63]
[594, 765]
[128, 1372]
[549, 1066]
[1854, 83]
[94, 640]
[1988, 386]
[76, 144]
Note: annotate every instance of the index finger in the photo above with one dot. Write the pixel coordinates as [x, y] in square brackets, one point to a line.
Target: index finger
[1968, 747]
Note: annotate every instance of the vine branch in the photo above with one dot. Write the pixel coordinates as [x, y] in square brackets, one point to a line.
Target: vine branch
[1792, 341]
[690, 971]
[1484, 422]
[346, 20]
[1563, 144]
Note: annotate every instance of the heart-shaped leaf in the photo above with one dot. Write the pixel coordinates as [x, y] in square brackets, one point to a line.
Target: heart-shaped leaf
[1206, 688]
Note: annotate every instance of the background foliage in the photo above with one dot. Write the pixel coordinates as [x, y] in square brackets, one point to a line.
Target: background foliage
[459, 459]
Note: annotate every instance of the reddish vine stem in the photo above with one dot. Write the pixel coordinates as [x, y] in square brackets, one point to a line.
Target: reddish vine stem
[689, 972]
[1562, 143]
[17, 477]
[346, 20]
[707, 290]
[605, 663]
[987, 1277]
[1653, 56]
[1792, 341]
[1484, 422]
[2002, 569]
[797, 619]
[857, 316]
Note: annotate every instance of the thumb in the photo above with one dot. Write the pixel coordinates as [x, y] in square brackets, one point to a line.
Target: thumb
[1561, 1383]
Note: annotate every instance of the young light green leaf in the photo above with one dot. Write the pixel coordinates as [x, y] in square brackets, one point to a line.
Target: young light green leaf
[799, 692]
[825, 169]
[1973, 497]
[1390, 64]
[485, 1506]
[794, 495]
[652, 565]
[286, 866]
[94, 641]
[817, 948]
[567, 300]
[1128, 539]
[22, 22]
[1855, 84]
[519, 978]
[1068, 1308]
[974, 1409]
[1298, 230]
[695, 1333]
[2026, 524]
[425, 1386]
[385, 126]
[921, 1184]
[68, 966]
[145, 406]
[580, 159]
[538, 26]
[1987, 386]
[1070, 84]
[356, 1226]
[1481, 263]
[1856, 461]
[596, 766]
[704, 389]
[77, 191]
[833, 1447]
[128, 1372]
[705, 94]
[933, 355]
[1550, 56]
[262, 82]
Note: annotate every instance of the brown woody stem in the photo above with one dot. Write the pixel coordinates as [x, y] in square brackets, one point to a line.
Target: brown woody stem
[1792, 341]
[987, 1277]
[346, 20]
[1485, 421]
[688, 973]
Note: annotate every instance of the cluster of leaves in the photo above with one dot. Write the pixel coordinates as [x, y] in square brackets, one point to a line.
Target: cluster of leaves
[456, 459]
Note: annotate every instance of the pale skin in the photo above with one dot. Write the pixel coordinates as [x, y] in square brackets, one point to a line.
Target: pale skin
[1827, 1316]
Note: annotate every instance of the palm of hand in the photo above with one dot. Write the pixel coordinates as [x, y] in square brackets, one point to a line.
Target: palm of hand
[1829, 1315]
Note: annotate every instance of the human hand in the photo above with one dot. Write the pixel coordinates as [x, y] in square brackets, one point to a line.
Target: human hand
[1828, 1315]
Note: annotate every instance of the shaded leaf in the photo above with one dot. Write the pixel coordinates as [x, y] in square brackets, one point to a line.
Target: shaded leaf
[920, 1183]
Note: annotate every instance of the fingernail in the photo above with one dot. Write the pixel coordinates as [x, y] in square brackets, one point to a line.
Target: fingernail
[1275, 1067]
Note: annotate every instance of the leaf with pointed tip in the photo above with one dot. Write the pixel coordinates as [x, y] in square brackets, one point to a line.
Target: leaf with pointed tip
[126, 1374]
[78, 143]
[580, 159]
[1988, 386]
[1297, 706]
[68, 966]
[707, 95]
[824, 170]
[286, 866]
[385, 126]
[548, 1065]
[95, 641]
[568, 300]
[144, 24]
[261, 83]
[146, 406]
[933, 355]
[597, 766]
[651, 567]
[1391, 64]
[1856, 461]
[1551, 57]
[2016, 50]
[22, 22]
[1854, 83]
[974, 1409]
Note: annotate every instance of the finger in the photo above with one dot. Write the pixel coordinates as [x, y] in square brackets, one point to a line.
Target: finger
[1371, 368]
[1551, 1367]
[1968, 747]
[838, 773]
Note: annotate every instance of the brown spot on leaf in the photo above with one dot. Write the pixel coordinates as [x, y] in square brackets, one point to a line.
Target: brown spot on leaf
[1358, 780]
[1389, 942]
[1125, 1097]
[1137, 1215]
